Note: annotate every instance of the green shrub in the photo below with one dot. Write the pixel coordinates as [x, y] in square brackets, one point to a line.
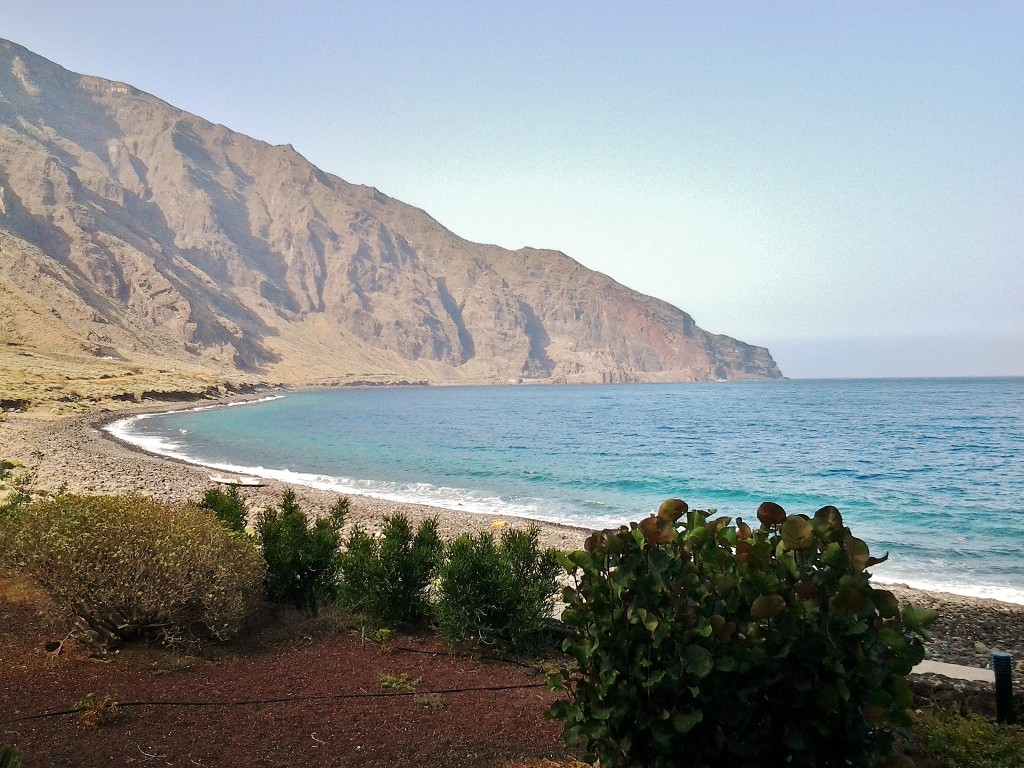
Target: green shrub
[496, 593]
[19, 486]
[735, 647]
[302, 558]
[228, 506]
[129, 566]
[952, 740]
[386, 579]
[9, 757]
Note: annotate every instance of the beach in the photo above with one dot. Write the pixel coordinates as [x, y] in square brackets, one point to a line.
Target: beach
[75, 452]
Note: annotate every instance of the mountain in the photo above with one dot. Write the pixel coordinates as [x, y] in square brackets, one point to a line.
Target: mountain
[134, 232]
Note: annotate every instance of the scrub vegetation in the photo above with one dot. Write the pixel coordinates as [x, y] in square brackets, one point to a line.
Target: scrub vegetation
[734, 646]
[690, 633]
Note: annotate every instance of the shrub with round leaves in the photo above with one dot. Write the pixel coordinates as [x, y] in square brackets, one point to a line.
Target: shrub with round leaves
[725, 645]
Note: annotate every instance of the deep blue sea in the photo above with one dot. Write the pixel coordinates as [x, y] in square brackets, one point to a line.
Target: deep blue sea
[930, 470]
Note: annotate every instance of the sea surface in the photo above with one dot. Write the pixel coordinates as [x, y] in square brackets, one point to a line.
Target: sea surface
[929, 470]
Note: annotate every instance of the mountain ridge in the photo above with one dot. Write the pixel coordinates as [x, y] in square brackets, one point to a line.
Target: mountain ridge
[135, 231]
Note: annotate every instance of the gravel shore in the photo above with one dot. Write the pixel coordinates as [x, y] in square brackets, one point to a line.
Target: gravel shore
[75, 452]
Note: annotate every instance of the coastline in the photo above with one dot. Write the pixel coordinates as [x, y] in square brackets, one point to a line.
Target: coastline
[75, 451]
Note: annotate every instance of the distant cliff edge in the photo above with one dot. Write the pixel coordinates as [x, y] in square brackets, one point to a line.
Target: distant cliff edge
[131, 231]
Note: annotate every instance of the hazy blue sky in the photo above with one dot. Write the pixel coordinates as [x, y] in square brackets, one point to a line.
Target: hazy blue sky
[842, 182]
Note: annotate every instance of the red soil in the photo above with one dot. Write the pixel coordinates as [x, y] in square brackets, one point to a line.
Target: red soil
[328, 708]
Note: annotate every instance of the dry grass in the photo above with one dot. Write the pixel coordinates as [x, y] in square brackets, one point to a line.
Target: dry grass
[31, 377]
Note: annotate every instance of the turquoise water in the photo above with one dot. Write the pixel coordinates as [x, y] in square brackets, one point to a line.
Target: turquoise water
[930, 470]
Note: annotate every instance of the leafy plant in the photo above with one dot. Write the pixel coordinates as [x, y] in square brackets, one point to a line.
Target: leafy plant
[20, 486]
[93, 713]
[386, 578]
[228, 506]
[128, 566]
[9, 757]
[952, 740]
[302, 558]
[429, 701]
[735, 646]
[400, 682]
[497, 593]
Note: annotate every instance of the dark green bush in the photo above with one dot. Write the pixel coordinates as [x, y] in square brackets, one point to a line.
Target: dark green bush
[128, 566]
[497, 593]
[302, 558]
[9, 757]
[386, 579]
[735, 647]
[228, 506]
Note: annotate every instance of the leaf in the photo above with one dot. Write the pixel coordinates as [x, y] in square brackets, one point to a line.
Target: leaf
[849, 601]
[872, 561]
[699, 660]
[650, 621]
[767, 607]
[797, 532]
[770, 513]
[831, 517]
[917, 618]
[859, 554]
[672, 509]
[684, 722]
[595, 542]
[806, 590]
[722, 629]
[657, 530]
[886, 603]
[833, 556]
[570, 561]
[788, 559]
[893, 640]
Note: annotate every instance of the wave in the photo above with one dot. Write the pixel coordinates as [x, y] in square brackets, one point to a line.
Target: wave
[982, 591]
[585, 484]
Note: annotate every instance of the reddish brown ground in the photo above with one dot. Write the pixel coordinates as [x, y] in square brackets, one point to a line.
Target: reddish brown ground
[305, 664]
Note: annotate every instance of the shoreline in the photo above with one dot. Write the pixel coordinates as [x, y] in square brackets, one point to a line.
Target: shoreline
[77, 452]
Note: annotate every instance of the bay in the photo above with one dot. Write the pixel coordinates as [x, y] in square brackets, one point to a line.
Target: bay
[930, 470]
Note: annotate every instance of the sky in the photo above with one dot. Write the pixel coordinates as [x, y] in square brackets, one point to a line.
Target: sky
[842, 182]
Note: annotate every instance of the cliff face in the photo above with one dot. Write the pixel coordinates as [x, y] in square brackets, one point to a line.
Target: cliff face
[133, 230]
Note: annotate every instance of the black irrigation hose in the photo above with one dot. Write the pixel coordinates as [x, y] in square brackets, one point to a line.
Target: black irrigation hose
[284, 700]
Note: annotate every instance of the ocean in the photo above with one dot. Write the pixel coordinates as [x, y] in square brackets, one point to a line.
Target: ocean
[929, 470]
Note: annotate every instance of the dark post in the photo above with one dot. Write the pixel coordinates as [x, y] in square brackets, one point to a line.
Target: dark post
[1002, 663]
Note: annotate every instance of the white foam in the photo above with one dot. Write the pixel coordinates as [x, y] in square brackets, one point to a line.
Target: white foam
[444, 497]
[984, 591]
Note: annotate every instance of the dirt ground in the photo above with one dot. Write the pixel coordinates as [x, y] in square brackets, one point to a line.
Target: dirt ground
[293, 695]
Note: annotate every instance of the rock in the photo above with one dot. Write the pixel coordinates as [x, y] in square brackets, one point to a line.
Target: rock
[189, 244]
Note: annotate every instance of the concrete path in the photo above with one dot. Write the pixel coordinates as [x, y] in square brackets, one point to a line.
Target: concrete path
[955, 671]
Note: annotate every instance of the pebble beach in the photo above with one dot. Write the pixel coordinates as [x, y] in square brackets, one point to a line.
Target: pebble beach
[75, 452]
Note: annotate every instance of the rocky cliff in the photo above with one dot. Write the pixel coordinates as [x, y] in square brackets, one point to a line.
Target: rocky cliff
[134, 231]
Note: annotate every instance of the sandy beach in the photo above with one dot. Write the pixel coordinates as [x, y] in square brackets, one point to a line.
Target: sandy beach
[76, 452]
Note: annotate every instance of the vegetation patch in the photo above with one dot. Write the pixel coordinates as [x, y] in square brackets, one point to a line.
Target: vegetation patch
[128, 566]
[497, 592]
[945, 739]
[385, 578]
[735, 646]
[228, 506]
[400, 682]
[302, 558]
